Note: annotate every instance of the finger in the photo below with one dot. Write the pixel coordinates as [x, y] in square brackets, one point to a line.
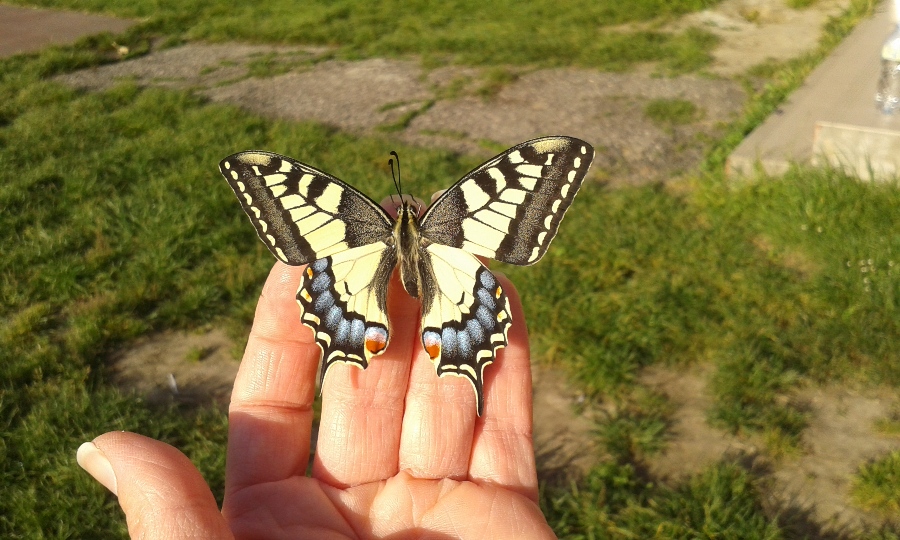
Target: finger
[362, 410]
[159, 489]
[391, 204]
[502, 449]
[270, 417]
[436, 440]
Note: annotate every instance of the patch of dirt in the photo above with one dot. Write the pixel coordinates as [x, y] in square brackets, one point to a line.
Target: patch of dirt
[564, 440]
[692, 444]
[441, 108]
[179, 367]
[752, 32]
[840, 438]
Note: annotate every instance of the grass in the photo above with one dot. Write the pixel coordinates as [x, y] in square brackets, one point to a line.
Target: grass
[586, 33]
[676, 280]
[877, 485]
[671, 112]
[115, 224]
[616, 502]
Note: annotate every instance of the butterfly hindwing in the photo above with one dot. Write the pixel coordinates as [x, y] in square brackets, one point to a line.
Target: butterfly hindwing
[301, 213]
[343, 298]
[465, 315]
[510, 208]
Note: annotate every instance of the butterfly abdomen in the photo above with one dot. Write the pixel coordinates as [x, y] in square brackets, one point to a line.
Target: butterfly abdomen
[408, 245]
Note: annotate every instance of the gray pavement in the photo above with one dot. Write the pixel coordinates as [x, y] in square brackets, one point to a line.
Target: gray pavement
[831, 119]
[25, 29]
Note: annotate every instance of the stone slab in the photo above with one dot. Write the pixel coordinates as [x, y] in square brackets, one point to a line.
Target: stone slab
[865, 152]
[839, 92]
[24, 30]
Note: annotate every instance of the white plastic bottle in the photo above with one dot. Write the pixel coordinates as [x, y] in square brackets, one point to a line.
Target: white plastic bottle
[887, 96]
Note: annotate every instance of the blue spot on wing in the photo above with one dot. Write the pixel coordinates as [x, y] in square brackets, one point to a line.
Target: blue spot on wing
[320, 283]
[324, 302]
[342, 334]
[465, 345]
[486, 298]
[448, 339]
[485, 317]
[475, 330]
[333, 318]
[319, 265]
[357, 331]
[487, 279]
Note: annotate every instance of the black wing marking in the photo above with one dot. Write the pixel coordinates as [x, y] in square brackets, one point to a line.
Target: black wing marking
[301, 213]
[510, 208]
[465, 315]
[343, 299]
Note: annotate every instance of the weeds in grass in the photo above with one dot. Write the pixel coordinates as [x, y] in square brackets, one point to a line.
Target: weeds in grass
[671, 112]
[615, 502]
[800, 4]
[494, 80]
[877, 485]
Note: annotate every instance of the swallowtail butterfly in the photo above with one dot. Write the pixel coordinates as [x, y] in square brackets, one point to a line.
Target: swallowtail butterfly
[508, 209]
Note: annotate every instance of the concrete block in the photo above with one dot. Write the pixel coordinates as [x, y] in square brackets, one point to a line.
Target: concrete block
[866, 152]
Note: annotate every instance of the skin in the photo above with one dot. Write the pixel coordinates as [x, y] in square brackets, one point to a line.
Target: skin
[400, 452]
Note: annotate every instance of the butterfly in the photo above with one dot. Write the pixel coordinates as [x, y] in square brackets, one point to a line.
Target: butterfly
[507, 209]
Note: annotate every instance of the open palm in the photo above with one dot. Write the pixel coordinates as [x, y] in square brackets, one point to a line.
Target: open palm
[400, 454]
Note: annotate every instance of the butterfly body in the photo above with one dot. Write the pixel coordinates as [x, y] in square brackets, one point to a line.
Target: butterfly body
[508, 209]
[409, 243]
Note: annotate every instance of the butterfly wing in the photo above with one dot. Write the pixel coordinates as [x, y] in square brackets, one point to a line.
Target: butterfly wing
[305, 216]
[465, 315]
[301, 213]
[510, 208]
[507, 209]
[343, 298]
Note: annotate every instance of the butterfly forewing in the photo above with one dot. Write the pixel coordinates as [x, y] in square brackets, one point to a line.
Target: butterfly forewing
[300, 213]
[510, 208]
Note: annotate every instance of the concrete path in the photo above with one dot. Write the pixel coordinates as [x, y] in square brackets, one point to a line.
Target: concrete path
[25, 30]
[831, 119]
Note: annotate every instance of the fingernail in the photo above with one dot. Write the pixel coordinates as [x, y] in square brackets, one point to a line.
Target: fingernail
[94, 461]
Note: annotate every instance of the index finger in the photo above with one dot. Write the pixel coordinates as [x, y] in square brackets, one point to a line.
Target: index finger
[270, 416]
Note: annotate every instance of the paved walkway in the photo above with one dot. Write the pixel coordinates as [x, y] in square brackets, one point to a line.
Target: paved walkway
[831, 119]
[28, 30]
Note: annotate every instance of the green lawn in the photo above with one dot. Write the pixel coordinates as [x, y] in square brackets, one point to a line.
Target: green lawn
[116, 224]
[536, 33]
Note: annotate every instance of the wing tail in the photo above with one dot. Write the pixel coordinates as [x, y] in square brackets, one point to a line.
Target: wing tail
[465, 316]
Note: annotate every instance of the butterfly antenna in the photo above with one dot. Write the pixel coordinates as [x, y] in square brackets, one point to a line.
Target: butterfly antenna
[397, 184]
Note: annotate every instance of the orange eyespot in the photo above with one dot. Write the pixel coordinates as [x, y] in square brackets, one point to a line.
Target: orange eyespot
[374, 346]
[433, 350]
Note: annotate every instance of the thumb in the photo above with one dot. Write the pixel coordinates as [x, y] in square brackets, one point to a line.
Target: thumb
[159, 489]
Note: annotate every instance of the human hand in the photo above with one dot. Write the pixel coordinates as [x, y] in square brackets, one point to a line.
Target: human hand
[400, 452]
